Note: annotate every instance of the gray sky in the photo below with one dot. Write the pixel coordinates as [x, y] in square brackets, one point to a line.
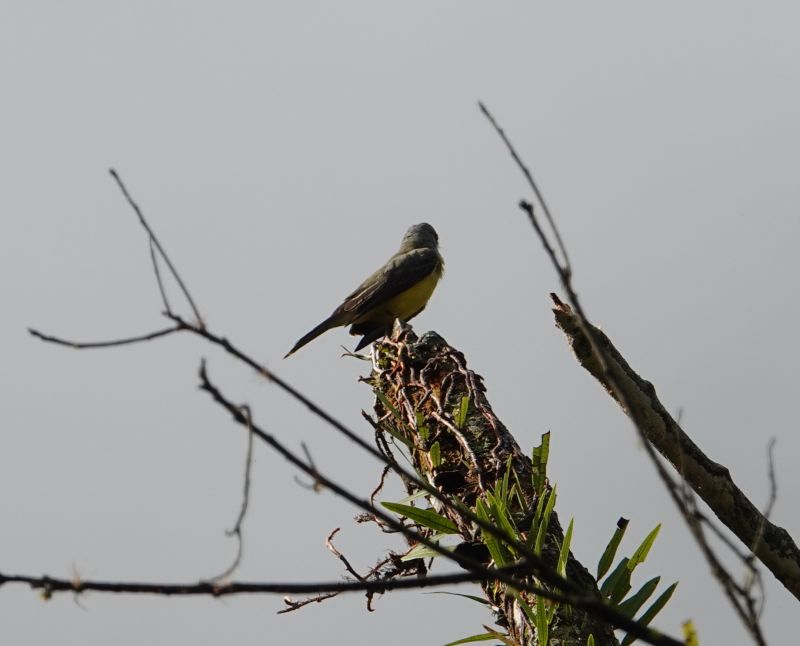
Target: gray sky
[280, 151]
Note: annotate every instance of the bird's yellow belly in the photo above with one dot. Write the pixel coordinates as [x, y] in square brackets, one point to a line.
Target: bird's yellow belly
[406, 304]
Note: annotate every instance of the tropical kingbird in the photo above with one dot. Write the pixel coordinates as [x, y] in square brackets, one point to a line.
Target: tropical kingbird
[398, 290]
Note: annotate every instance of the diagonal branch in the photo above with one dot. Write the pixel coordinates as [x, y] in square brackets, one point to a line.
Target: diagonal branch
[772, 545]
[596, 351]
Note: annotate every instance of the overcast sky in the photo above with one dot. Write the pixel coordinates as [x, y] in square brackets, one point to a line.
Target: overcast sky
[280, 150]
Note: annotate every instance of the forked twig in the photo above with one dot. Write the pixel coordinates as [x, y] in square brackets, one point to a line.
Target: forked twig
[154, 241]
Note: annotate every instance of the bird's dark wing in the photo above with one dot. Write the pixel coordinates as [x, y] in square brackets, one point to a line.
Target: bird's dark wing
[400, 273]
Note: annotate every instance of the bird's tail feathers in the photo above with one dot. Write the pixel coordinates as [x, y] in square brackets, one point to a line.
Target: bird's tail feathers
[327, 324]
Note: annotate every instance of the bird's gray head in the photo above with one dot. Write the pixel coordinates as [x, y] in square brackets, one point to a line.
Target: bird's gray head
[420, 236]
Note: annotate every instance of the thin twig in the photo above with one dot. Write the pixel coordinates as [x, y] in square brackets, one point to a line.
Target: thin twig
[157, 272]
[105, 344]
[329, 544]
[236, 530]
[532, 183]
[293, 605]
[773, 495]
[154, 241]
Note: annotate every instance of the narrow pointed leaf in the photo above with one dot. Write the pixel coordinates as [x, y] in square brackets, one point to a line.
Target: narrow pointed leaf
[483, 637]
[537, 517]
[388, 405]
[641, 552]
[461, 414]
[651, 612]
[506, 477]
[436, 455]
[426, 517]
[422, 428]
[498, 552]
[392, 430]
[611, 549]
[632, 604]
[545, 521]
[499, 512]
[526, 608]
[617, 577]
[563, 554]
[471, 597]
[542, 627]
[419, 494]
[539, 459]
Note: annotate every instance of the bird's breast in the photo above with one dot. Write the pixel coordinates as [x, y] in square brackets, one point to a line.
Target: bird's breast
[408, 303]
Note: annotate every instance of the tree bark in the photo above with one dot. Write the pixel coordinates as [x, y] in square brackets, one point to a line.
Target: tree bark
[425, 381]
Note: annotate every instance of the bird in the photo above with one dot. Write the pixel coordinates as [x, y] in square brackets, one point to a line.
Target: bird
[400, 289]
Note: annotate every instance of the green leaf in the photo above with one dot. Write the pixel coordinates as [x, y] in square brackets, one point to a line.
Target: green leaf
[422, 428]
[539, 459]
[426, 517]
[537, 517]
[460, 416]
[542, 627]
[545, 521]
[504, 483]
[482, 637]
[526, 608]
[517, 490]
[388, 405]
[421, 551]
[472, 597]
[690, 634]
[497, 550]
[391, 430]
[419, 494]
[590, 641]
[617, 584]
[641, 552]
[632, 604]
[499, 512]
[611, 549]
[563, 554]
[651, 612]
[436, 455]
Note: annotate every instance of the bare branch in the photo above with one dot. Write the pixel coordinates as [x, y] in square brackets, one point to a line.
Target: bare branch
[105, 344]
[710, 480]
[154, 241]
[532, 183]
[236, 530]
[51, 585]
[596, 354]
[157, 271]
[329, 544]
